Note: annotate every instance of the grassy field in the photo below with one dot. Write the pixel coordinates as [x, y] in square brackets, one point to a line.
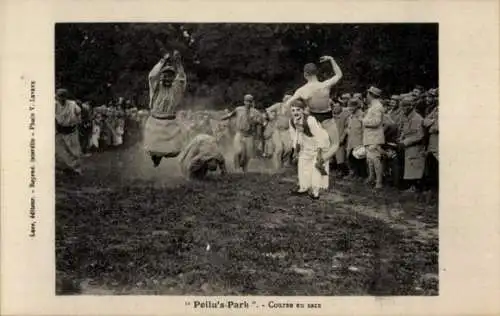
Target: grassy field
[127, 228]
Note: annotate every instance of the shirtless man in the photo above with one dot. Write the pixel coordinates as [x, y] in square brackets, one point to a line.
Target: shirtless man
[246, 118]
[281, 139]
[316, 95]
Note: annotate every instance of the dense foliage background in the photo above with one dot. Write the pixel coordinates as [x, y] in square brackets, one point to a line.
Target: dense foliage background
[102, 61]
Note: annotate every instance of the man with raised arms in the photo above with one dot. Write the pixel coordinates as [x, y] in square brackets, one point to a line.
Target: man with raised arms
[164, 135]
[316, 95]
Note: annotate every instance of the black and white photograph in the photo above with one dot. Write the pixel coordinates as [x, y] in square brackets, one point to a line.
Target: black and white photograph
[247, 159]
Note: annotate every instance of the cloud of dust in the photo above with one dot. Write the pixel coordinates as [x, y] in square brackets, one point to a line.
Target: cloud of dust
[255, 165]
[133, 163]
[201, 104]
[137, 165]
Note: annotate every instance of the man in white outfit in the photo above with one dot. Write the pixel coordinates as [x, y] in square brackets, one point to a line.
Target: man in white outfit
[316, 95]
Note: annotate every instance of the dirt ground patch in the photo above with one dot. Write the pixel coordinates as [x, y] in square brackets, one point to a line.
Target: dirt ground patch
[127, 228]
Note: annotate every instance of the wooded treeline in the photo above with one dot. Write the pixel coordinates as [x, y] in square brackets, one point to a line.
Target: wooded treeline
[102, 61]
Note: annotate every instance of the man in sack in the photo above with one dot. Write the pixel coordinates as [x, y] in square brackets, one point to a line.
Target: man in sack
[246, 118]
[164, 136]
[281, 140]
[200, 156]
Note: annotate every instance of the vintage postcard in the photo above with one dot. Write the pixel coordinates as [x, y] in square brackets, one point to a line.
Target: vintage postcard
[186, 157]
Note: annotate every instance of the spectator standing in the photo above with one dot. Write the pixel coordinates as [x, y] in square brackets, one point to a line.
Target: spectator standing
[411, 142]
[68, 150]
[431, 124]
[354, 133]
[341, 116]
[373, 136]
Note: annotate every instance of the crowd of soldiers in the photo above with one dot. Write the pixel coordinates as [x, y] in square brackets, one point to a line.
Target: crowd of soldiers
[408, 151]
[120, 123]
[408, 148]
[109, 126]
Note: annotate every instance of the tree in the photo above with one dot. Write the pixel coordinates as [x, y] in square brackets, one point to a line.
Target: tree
[101, 61]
